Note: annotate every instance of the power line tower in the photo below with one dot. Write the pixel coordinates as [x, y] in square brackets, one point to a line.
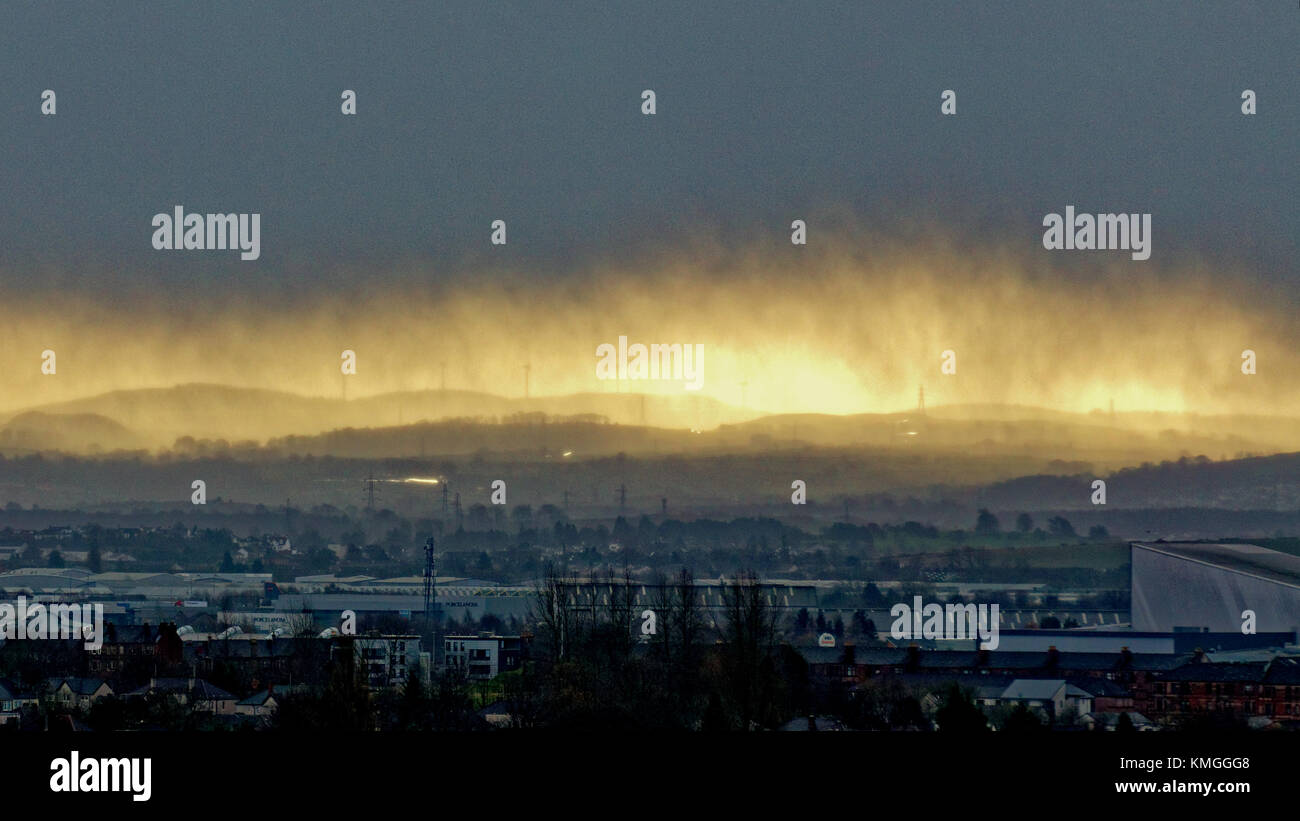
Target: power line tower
[446, 488]
[622, 497]
[430, 579]
[370, 492]
[920, 400]
[456, 507]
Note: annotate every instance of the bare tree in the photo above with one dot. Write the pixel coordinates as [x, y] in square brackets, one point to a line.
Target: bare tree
[688, 623]
[749, 630]
[554, 609]
[620, 608]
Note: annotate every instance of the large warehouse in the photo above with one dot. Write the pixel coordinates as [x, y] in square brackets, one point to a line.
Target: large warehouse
[1186, 585]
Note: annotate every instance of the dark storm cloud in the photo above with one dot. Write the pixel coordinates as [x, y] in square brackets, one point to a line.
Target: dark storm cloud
[529, 112]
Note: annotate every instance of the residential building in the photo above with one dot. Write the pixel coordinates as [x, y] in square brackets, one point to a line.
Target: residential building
[201, 696]
[388, 660]
[1052, 696]
[484, 656]
[78, 693]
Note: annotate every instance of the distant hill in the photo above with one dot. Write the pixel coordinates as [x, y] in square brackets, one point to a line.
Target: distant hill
[1124, 439]
[73, 432]
[409, 423]
[204, 411]
[1259, 483]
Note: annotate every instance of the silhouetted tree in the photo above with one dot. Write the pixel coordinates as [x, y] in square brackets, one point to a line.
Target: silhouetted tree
[1060, 527]
[959, 713]
[1124, 724]
[1022, 720]
[986, 524]
[801, 620]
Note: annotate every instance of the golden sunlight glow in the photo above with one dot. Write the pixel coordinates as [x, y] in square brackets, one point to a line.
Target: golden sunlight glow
[848, 332]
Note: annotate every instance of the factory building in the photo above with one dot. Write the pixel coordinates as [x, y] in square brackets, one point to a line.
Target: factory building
[1216, 588]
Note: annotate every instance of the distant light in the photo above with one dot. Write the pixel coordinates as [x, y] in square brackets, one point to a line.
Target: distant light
[568, 453]
[911, 433]
[419, 481]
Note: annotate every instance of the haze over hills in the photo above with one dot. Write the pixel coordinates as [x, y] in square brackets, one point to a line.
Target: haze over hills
[1261, 483]
[160, 416]
[1113, 441]
[934, 466]
[68, 432]
[413, 423]
[1190, 499]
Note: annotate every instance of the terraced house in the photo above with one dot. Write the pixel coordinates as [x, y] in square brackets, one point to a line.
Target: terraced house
[1251, 690]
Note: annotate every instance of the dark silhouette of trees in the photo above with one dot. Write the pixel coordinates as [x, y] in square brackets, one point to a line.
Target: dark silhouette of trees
[1060, 527]
[986, 524]
[745, 671]
[343, 704]
[1124, 724]
[959, 713]
[1021, 719]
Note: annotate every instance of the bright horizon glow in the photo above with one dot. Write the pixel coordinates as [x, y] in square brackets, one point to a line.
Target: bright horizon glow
[858, 328]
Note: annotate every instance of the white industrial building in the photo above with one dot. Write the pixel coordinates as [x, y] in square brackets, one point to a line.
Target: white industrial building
[1187, 586]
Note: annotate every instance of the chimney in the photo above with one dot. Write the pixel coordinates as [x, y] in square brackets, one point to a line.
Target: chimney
[1053, 657]
[913, 657]
[850, 653]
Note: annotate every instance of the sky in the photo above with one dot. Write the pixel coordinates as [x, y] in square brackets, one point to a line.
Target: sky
[669, 228]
